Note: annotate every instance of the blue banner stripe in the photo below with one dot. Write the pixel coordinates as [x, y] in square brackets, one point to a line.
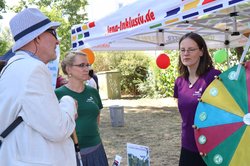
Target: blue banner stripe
[79, 29]
[234, 1]
[74, 45]
[213, 8]
[81, 43]
[190, 15]
[172, 12]
[86, 34]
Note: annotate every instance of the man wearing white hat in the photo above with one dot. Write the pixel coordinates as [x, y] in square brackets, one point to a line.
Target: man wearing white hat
[43, 137]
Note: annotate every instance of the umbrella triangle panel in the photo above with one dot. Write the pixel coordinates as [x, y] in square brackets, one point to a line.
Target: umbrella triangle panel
[207, 116]
[216, 94]
[208, 138]
[223, 153]
[237, 88]
[241, 155]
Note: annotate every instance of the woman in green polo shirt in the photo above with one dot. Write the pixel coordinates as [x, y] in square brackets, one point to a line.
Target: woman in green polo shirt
[75, 65]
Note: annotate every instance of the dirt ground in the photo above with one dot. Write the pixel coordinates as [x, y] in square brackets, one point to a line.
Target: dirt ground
[150, 122]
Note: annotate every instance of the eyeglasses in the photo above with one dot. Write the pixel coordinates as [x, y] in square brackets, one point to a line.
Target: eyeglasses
[52, 32]
[78, 53]
[190, 50]
[82, 65]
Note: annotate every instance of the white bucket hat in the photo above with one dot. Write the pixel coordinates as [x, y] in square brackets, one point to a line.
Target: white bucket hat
[27, 25]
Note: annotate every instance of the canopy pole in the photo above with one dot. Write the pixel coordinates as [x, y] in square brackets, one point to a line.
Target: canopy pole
[227, 42]
[234, 15]
[160, 38]
[242, 58]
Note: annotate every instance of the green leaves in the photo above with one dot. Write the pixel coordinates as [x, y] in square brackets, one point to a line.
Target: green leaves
[67, 12]
[2, 7]
[132, 65]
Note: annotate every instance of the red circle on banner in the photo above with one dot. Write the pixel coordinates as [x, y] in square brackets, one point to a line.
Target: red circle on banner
[163, 61]
[207, 1]
[90, 54]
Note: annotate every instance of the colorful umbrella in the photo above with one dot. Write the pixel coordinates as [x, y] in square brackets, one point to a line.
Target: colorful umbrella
[222, 119]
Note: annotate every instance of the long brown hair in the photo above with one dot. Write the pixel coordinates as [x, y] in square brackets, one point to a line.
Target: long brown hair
[205, 61]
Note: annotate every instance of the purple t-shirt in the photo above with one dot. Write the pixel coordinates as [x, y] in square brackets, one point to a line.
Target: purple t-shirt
[187, 103]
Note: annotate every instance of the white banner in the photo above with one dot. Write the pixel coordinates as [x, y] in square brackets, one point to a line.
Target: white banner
[143, 17]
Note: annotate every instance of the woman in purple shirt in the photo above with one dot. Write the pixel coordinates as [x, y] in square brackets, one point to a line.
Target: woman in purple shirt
[196, 73]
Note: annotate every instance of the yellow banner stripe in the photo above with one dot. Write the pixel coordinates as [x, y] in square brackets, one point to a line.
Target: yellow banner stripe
[191, 5]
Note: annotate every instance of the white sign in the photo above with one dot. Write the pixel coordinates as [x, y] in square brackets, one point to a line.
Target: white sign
[137, 155]
[117, 161]
[53, 67]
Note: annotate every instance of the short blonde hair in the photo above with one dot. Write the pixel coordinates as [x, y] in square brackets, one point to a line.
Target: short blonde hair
[69, 59]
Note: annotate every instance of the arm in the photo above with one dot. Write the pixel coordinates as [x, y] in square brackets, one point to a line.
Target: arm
[98, 119]
[99, 103]
[41, 110]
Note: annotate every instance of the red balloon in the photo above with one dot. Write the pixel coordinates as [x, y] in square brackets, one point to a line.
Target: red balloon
[163, 61]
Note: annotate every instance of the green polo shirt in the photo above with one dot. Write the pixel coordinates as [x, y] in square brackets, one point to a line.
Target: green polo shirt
[89, 106]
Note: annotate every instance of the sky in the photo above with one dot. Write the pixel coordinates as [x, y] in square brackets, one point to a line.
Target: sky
[95, 9]
[8, 15]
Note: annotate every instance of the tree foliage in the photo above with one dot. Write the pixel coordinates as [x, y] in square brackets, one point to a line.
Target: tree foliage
[160, 82]
[2, 5]
[5, 41]
[140, 74]
[4, 47]
[132, 66]
[67, 12]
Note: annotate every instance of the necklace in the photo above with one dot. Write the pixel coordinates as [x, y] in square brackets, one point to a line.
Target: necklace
[192, 81]
[190, 85]
[75, 89]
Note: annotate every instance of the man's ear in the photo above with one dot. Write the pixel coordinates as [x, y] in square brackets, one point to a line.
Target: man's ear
[37, 39]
